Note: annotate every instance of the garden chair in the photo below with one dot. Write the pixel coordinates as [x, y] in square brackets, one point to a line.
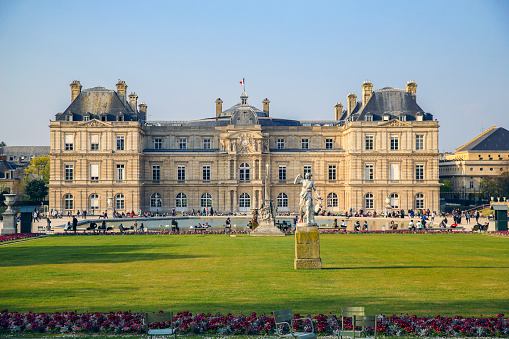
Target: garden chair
[362, 321]
[284, 322]
[164, 317]
[349, 312]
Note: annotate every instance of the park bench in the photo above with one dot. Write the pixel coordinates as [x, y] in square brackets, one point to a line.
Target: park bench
[125, 229]
[285, 325]
[362, 321]
[160, 318]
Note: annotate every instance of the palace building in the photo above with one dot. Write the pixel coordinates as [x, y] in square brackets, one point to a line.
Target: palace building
[105, 151]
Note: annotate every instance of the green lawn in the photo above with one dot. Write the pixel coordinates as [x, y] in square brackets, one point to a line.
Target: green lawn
[447, 274]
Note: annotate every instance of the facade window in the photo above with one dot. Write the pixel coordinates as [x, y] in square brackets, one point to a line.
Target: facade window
[120, 143]
[69, 172]
[328, 143]
[394, 142]
[369, 172]
[206, 200]
[244, 200]
[207, 144]
[282, 200]
[181, 200]
[471, 184]
[94, 172]
[120, 172]
[94, 202]
[156, 200]
[394, 171]
[156, 172]
[120, 202]
[419, 142]
[181, 173]
[282, 173]
[369, 142]
[94, 142]
[182, 143]
[69, 142]
[158, 143]
[419, 172]
[244, 174]
[332, 200]
[307, 169]
[394, 200]
[304, 143]
[419, 200]
[206, 172]
[280, 144]
[68, 202]
[332, 172]
[368, 201]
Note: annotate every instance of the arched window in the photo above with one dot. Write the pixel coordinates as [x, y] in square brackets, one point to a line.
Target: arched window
[156, 200]
[94, 201]
[244, 172]
[120, 202]
[68, 202]
[181, 200]
[394, 200]
[282, 200]
[244, 201]
[332, 200]
[206, 200]
[368, 201]
[419, 200]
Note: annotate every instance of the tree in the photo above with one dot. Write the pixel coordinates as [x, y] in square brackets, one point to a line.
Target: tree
[495, 186]
[39, 168]
[3, 144]
[446, 186]
[37, 190]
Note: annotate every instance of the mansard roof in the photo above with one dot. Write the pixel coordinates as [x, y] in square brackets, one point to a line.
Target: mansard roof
[392, 101]
[494, 139]
[99, 101]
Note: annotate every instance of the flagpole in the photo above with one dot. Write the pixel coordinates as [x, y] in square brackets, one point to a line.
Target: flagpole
[244, 83]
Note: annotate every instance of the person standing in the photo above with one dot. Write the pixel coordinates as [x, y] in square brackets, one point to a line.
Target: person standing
[74, 224]
[48, 224]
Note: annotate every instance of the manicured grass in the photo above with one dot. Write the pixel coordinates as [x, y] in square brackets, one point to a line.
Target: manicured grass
[447, 274]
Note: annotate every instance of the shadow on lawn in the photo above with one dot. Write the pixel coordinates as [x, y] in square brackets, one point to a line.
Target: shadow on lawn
[104, 254]
[406, 267]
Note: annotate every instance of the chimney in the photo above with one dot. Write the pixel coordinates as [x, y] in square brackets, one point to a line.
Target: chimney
[367, 90]
[75, 89]
[122, 90]
[143, 110]
[266, 103]
[219, 107]
[411, 87]
[339, 110]
[133, 101]
[352, 100]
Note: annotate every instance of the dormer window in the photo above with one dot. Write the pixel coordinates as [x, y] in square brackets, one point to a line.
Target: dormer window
[402, 118]
[68, 117]
[419, 116]
[104, 117]
[386, 117]
[120, 118]
[369, 117]
[86, 118]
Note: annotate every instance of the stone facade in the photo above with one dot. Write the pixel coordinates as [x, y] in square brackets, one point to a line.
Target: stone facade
[383, 146]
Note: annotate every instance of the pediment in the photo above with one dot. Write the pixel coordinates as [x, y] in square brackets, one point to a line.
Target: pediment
[395, 123]
[94, 123]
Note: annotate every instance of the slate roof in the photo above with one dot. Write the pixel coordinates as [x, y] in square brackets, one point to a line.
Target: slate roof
[494, 139]
[96, 101]
[392, 101]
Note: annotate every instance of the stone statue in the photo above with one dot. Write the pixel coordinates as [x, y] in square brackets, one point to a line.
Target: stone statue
[306, 205]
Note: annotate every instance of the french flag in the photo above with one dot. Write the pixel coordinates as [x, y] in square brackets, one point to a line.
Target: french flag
[242, 82]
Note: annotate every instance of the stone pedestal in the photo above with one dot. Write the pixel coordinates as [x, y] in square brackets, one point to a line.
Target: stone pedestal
[267, 228]
[307, 247]
[9, 226]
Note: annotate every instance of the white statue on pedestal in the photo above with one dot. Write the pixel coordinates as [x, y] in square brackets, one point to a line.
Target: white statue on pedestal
[306, 205]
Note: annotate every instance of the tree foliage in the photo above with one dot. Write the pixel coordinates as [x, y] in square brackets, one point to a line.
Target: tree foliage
[3, 144]
[495, 186]
[39, 168]
[37, 190]
[446, 186]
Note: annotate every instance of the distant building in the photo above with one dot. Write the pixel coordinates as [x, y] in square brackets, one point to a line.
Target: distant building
[485, 155]
[104, 149]
[14, 160]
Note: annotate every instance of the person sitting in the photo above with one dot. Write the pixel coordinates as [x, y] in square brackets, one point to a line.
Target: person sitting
[443, 223]
[392, 225]
[206, 225]
[357, 226]
[92, 226]
[454, 225]
[335, 223]
[68, 227]
[142, 228]
[228, 223]
[343, 225]
[365, 226]
[411, 225]
[102, 227]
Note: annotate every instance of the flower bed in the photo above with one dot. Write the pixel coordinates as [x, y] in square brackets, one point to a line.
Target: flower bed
[253, 324]
[17, 236]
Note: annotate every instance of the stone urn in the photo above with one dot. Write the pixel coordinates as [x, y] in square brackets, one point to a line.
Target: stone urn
[9, 201]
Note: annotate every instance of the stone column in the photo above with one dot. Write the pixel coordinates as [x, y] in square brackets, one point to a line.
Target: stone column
[307, 247]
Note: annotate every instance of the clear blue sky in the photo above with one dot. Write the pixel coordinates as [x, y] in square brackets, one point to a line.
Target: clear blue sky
[180, 56]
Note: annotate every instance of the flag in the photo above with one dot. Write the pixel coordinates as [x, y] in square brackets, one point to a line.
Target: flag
[242, 82]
